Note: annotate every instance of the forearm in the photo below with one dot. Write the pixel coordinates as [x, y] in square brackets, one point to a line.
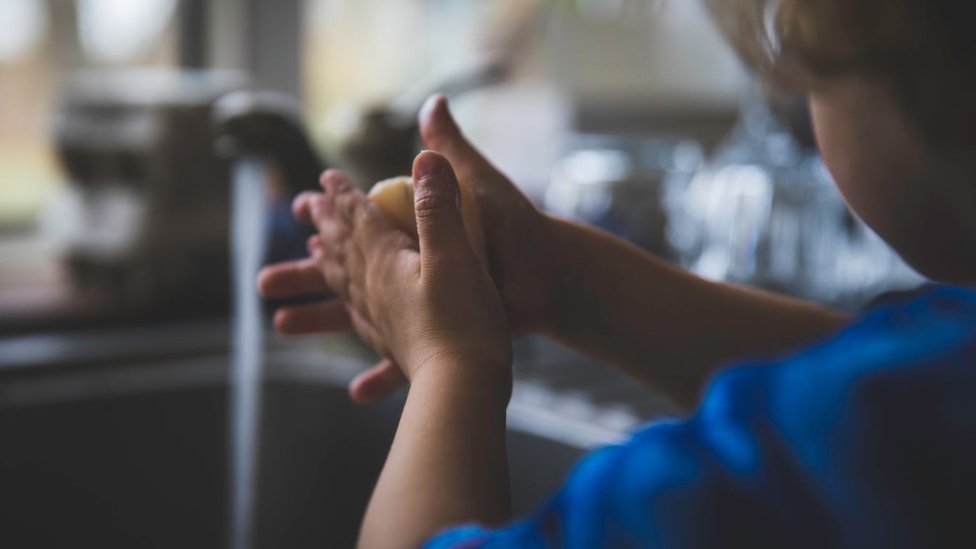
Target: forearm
[448, 463]
[666, 327]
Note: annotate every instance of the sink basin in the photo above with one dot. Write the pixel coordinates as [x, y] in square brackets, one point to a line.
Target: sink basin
[135, 456]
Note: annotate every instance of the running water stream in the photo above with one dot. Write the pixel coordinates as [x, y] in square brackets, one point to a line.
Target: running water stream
[248, 233]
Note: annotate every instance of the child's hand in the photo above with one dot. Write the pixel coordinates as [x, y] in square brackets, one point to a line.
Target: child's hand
[517, 238]
[412, 301]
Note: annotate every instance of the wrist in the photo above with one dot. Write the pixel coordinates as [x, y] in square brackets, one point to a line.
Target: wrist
[486, 374]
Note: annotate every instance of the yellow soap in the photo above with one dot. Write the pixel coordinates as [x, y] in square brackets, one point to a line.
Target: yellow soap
[395, 198]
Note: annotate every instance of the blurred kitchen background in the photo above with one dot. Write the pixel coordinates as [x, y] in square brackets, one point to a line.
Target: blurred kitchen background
[148, 154]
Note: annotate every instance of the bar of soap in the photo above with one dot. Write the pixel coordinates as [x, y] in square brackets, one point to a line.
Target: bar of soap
[395, 198]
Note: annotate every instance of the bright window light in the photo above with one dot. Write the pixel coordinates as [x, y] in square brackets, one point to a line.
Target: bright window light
[24, 24]
[119, 31]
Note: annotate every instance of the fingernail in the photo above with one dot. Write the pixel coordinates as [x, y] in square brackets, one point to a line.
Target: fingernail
[426, 165]
[327, 175]
[432, 104]
[427, 168]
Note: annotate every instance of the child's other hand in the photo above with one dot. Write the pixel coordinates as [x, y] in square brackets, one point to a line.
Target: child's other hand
[517, 239]
[521, 255]
[414, 302]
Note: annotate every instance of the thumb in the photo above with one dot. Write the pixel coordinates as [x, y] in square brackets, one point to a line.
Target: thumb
[437, 206]
[440, 132]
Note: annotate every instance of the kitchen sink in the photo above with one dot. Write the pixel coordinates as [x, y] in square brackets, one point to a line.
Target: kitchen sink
[134, 454]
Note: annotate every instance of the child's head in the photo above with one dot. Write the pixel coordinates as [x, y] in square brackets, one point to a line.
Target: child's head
[893, 95]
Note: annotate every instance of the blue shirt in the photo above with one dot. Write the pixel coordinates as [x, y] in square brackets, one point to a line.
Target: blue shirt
[867, 440]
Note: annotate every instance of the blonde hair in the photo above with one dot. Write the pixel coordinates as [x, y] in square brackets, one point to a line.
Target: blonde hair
[922, 49]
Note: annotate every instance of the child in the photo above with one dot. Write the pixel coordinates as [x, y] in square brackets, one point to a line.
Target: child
[867, 438]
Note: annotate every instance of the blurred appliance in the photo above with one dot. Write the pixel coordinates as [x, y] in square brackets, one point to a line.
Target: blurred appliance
[144, 225]
[384, 139]
[764, 211]
[623, 185]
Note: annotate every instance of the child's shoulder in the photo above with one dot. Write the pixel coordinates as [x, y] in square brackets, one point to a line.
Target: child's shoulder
[934, 327]
[930, 335]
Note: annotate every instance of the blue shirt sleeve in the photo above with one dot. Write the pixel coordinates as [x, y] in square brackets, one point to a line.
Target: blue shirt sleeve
[868, 440]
